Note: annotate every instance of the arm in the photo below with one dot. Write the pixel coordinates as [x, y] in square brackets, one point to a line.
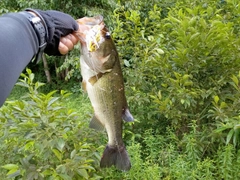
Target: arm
[19, 43]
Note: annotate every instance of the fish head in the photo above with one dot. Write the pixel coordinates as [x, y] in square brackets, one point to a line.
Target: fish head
[89, 30]
[97, 46]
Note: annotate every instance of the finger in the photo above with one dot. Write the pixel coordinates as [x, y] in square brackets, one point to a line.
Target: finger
[63, 49]
[65, 45]
[73, 38]
[67, 42]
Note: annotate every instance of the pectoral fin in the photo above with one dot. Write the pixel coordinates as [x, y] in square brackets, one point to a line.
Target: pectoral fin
[96, 124]
[95, 78]
[127, 116]
[84, 86]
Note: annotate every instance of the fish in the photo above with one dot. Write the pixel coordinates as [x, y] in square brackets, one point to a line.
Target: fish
[103, 81]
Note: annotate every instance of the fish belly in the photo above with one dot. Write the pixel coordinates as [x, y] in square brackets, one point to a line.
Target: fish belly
[108, 100]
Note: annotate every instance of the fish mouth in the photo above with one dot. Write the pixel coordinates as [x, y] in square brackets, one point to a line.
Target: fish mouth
[92, 32]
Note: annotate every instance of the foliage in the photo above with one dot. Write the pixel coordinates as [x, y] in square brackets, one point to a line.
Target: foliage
[174, 59]
[166, 161]
[181, 66]
[48, 141]
[74, 7]
[182, 61]
[181, 70]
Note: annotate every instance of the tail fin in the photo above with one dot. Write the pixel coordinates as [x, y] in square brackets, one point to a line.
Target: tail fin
[116, 156]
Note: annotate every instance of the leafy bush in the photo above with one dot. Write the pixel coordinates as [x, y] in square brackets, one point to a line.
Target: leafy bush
[41, 139]
[181, 61]
[181, 67]
[181, 71]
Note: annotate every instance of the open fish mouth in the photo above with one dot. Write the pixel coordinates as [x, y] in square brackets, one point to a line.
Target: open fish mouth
[94, 38]
[91, 32]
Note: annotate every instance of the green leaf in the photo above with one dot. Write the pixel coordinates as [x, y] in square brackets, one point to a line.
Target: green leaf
[235, 139]
[182, 101]
[159, 95]
[56, 108]
[229, 136]
[65, 177]
[31, 76]
[53, 100]
[235, 79]
[29, 71]
[39, 84]
[60, 144]
[83, 173]
[223, 105]
[236, 127]
[173, 19]
[209, 11]
[10, 166]
[223, 128]
[57, 154]
[193, 20]
[48, 172]
[29, 145]
[49, 95]
[126, 63]
[159, 51]
[194, 36]
[86, 166]
[216, 99]
[13, 173]
[73, 153]
[23, 84]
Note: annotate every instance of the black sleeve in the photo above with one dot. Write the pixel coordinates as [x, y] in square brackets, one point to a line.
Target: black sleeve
[18, 45]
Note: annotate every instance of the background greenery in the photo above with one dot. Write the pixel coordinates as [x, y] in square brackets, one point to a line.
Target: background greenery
[181, 65]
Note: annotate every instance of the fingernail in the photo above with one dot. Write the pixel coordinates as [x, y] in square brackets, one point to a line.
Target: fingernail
[61, 45]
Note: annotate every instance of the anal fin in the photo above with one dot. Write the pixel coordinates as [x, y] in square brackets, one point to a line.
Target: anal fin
[96, 124]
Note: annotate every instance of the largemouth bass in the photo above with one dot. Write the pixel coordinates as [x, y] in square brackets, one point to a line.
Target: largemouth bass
[103, 81]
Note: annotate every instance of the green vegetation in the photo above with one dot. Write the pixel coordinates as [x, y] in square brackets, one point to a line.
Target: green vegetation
[181, 64]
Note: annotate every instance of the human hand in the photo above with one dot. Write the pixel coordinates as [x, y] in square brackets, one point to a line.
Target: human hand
[67, 43]
[60, 28]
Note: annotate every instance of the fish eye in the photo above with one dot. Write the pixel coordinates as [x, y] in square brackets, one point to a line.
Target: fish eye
[107, 35]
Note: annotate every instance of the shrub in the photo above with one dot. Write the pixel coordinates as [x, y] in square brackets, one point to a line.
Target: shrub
[42, 139]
